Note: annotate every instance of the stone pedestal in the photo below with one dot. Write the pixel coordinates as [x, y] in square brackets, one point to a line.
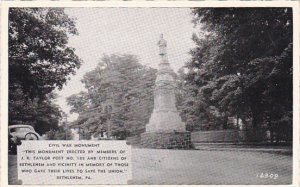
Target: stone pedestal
[165, 128]
[166, 140]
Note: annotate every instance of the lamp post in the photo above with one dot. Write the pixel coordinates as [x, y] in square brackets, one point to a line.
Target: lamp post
[108, 109]
[65, 124]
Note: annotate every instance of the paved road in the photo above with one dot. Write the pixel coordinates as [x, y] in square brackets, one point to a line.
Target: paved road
[12, 169]
[160, 166]
[152, 166]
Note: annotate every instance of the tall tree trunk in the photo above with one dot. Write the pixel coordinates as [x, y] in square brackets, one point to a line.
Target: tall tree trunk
[256, 120]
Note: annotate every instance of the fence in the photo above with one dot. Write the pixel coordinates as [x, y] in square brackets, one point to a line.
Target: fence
[229, 136]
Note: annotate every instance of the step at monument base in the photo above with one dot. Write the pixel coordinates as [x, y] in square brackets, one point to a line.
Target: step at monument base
[166, 140]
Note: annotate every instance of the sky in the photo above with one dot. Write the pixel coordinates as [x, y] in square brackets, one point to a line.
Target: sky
[126, 30]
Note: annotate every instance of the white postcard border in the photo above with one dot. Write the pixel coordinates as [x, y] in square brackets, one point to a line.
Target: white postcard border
[4, 61]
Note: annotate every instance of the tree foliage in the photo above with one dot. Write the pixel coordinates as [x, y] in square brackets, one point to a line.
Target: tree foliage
[60, 133]
[242, 64]
[43, 115]
[40, 61]
[39, 57]
[119, 96]
[195, 107]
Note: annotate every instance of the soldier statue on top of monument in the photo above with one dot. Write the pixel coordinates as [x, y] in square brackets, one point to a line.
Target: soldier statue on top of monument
[162, 43]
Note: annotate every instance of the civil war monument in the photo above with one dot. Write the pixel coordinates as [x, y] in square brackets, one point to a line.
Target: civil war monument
[165, 128]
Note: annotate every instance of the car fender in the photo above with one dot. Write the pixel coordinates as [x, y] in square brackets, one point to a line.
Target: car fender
[32, 133]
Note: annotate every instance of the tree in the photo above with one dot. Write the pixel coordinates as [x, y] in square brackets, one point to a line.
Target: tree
[242, 61]
[43, 115]
[60, 133]
[40, 61]
[78, 102]
[39, 58]
[195, 107]
[119, 96]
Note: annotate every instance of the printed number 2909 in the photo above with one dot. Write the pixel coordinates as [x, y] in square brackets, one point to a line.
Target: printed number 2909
[267, 175]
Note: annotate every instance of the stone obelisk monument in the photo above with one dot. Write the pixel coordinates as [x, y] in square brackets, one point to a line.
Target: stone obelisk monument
[165, 128]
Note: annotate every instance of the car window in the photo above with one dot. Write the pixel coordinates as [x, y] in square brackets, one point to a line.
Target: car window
[22, 129]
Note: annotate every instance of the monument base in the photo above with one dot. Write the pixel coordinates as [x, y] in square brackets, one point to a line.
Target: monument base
[166, 140]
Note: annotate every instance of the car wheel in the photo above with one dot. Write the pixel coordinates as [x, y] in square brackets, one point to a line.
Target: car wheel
[31, 136]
